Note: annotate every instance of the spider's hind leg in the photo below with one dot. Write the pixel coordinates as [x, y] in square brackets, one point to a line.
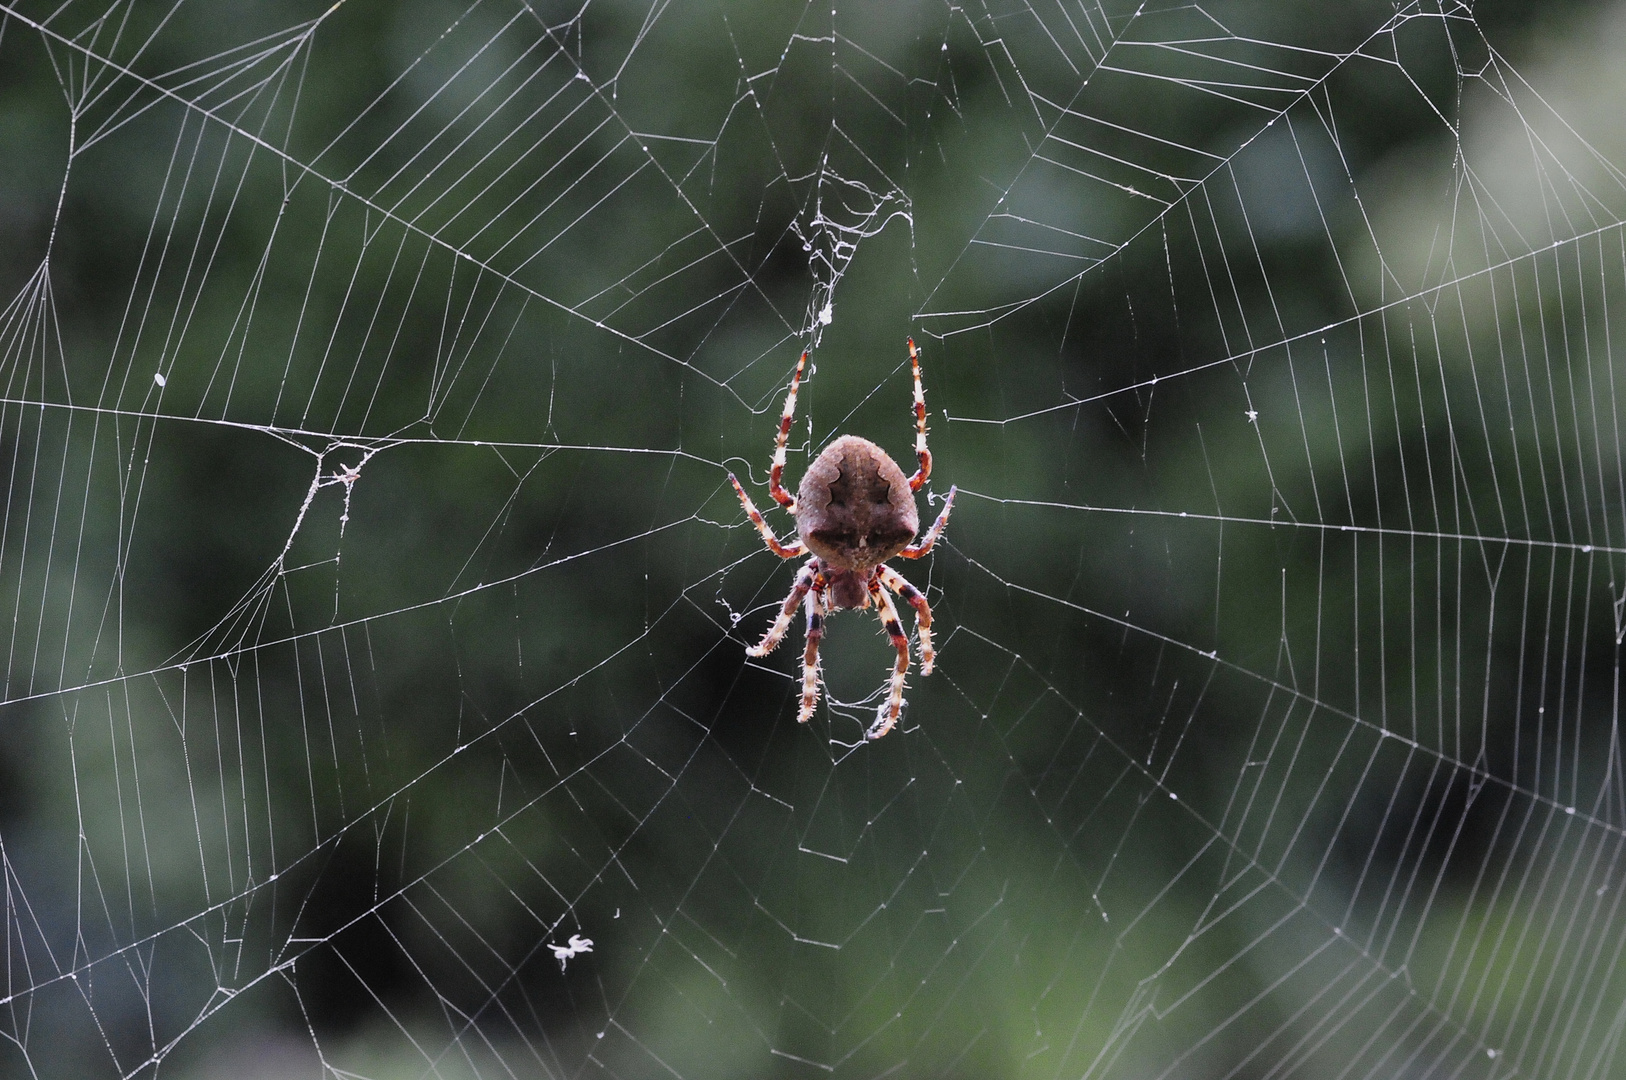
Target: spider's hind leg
[775, 488]
[923, 455]
[791, 550]
[924, 544]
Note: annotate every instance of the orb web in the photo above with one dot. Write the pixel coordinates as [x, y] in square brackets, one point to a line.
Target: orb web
[376, 699]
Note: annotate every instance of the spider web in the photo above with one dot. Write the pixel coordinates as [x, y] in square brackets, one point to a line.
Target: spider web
[375, 697]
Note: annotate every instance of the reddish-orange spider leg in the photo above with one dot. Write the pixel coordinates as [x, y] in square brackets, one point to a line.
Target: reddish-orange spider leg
[917, 481]
[781, 496]
[893, 705]
[806, 580]
[784, 551]
[923, 614]
[810, 657]
[924, 544]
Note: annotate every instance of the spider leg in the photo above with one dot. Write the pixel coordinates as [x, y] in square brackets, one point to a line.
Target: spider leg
[806, 580]
[924, 544]
[893, 706]
[781, 496]
[923, 614]
[917, 481]
[810, 658]
[784, 551]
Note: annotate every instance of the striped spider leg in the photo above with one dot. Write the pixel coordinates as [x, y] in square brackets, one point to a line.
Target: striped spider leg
[892, 707]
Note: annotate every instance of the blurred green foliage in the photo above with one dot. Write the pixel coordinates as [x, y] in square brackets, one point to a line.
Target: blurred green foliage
[1268, 552]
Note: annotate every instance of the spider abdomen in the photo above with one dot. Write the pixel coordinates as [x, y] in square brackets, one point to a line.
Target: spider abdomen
[854, 509]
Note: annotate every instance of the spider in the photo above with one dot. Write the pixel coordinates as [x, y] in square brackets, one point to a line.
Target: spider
[854, 511]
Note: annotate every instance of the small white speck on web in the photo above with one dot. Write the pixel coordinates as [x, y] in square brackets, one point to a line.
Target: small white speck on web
[158, 377]
[827, 314]
[572, 948]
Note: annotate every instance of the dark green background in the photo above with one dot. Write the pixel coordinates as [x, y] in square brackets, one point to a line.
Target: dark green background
[1273, 732]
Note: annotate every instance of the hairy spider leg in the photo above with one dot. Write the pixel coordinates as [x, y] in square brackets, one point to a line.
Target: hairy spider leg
[777, 473]
[893, 706]
[924, 544]
[917, 481]
[784, 551]
[810, 657]
[923, 614]
[809, 578]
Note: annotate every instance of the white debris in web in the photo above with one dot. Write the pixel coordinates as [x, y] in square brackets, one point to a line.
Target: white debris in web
[571, 949]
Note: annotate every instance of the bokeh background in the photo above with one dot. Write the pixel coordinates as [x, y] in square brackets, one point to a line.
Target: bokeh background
[378, 603]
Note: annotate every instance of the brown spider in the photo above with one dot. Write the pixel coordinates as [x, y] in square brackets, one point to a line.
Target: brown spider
[854, 511]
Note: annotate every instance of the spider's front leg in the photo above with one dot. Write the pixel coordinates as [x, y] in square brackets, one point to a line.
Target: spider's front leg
[893, 706]
[808, 579]
[784, 551]
[810, 658]
[923, 614]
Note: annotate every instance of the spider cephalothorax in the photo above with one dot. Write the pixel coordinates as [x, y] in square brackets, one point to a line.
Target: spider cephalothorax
[854, 510]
